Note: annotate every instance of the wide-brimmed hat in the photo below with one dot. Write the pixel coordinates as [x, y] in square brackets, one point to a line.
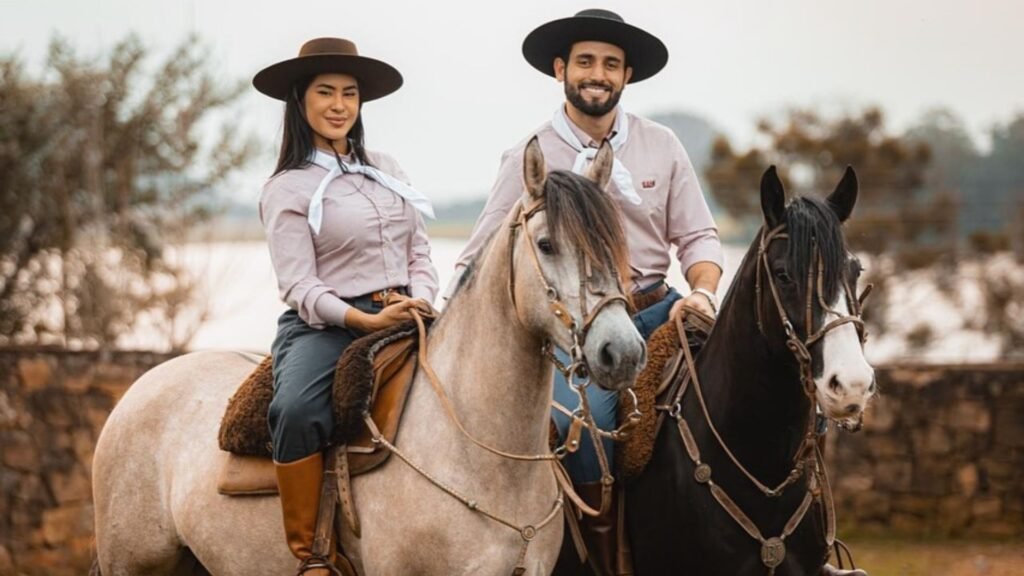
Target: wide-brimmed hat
[329, 56]
[644, 52]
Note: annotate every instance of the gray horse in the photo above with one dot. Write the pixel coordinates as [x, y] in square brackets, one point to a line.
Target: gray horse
[156, 462]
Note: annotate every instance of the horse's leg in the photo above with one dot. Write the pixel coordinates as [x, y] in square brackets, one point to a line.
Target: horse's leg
[154, 477]
[230, 536]
[135, 532]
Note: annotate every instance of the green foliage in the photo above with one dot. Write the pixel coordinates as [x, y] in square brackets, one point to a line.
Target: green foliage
[102, 170]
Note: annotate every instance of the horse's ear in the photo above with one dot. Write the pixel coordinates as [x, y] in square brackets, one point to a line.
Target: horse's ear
[600, 170]
[845, 195]
[773, 198]
[534, 172]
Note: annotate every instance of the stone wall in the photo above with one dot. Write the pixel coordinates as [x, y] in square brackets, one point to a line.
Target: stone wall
[941, 454]
[52, 406]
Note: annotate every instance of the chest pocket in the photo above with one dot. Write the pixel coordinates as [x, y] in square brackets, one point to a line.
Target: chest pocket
[653, 191]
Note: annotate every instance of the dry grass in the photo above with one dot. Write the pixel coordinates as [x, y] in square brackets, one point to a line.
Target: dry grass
[914, 558]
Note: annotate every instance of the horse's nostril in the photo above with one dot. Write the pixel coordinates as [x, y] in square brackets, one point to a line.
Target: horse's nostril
[833, 383]
[852, 408]
[607, 357]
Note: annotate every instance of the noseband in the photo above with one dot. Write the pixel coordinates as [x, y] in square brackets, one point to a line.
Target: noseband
[801, 348]
[577, 372]
[808, 458]
[558, 308]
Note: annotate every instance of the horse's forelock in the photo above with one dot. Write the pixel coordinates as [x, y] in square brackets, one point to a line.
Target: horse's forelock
[810, 222]
[583, 214]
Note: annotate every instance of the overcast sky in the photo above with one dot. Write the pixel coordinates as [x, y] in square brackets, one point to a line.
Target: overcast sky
[469, 94]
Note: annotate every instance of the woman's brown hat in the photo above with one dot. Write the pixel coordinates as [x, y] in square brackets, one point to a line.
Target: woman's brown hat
[329, 56]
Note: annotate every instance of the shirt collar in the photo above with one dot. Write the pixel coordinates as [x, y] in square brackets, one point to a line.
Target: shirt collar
[584, 137]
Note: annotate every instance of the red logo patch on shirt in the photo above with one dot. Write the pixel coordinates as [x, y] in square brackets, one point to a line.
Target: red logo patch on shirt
[647, 184]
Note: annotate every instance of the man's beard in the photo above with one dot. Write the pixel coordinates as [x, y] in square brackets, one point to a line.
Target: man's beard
[596, 109]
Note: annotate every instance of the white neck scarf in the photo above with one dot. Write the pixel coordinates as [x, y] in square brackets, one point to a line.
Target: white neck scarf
[620, 174]
[325, 160]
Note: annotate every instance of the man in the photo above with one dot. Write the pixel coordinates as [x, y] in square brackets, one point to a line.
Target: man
[594, 54]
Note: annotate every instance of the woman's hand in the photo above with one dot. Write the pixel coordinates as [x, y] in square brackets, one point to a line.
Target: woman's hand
[422, 305]
[388, 316]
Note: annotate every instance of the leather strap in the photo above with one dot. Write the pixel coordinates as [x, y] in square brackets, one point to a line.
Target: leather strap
[573, 522]
[328, 505]
[345, 499]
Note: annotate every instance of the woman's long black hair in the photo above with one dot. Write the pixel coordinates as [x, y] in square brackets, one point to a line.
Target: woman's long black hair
[297, 142]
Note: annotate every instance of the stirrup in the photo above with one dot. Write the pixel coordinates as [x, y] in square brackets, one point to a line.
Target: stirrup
[839, 547]
[316, 562]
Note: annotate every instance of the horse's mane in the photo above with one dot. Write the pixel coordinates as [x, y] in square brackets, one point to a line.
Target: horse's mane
[579, 211]
[583, 213]
[811, 222]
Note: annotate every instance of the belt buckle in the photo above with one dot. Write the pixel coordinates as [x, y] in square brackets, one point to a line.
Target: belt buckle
[381, 297]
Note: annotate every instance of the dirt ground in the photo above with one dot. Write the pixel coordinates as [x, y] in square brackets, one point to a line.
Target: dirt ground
[903, 558]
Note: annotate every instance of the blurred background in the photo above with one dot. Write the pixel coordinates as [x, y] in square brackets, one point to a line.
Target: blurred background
[133, 149]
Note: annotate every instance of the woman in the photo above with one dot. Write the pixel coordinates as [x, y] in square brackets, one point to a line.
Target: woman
[350, 252]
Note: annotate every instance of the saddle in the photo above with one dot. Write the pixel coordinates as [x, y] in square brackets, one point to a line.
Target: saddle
[666, 364]
[373, 377]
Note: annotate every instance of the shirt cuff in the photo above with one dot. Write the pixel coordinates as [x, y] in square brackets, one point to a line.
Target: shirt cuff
[704, 249]
[422, 291]
[331, 309]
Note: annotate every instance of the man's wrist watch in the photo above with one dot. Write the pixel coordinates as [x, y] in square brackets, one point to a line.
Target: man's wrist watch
[712, 299]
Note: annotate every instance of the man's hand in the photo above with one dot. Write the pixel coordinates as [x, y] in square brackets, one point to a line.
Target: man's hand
[700, 276]
[695, 300]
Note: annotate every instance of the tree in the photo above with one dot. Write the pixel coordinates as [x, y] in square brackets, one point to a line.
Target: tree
[894, 212]
[913, 189]
[102, 170]
[997, 185]
[894, 215]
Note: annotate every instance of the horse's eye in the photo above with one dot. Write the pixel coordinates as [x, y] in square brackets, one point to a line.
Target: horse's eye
[783, 275]
[545, 247]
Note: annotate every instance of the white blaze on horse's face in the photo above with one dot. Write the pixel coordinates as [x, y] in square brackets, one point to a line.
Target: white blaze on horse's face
[847, 381]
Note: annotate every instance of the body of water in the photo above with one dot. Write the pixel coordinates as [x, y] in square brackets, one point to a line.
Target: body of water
[239, 302]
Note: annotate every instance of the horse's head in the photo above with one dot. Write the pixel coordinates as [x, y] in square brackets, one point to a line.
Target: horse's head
[806, 281]
[569, 257]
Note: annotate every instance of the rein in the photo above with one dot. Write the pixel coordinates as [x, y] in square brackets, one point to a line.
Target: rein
[577, 369]
[808, 457]
[575, 373]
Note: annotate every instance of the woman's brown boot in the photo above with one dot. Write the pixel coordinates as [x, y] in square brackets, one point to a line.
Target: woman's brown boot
[299, 484]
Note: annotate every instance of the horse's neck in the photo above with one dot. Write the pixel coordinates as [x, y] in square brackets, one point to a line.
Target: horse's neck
[491, 367]
[754, 398]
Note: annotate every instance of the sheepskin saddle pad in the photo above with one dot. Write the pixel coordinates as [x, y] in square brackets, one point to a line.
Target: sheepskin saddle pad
[666, 364]
[373, 376]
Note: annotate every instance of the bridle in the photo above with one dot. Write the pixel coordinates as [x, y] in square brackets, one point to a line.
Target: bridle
[815, 290]
[808, 457]
[576, 373]
[558, 308]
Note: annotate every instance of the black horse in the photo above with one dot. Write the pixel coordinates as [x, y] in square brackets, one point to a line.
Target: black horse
[788, 338]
